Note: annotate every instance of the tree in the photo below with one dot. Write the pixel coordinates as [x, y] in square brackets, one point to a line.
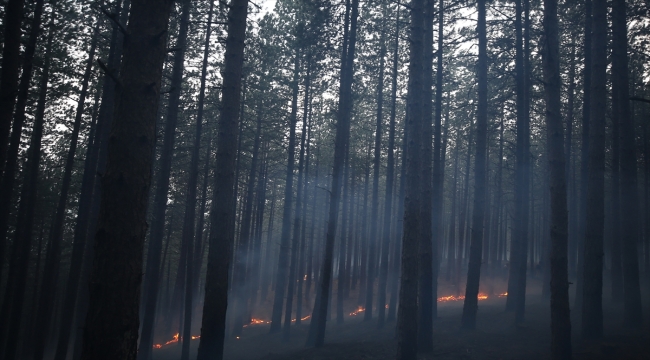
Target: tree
[470, 306]
[592, 308]
[111, 328]
[560, 320]
[213, 326]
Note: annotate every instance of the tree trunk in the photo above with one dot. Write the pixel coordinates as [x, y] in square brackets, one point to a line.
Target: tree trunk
[9, 81]
[560, 320]
[111, 328]
[592, 309]
[407, 320]
[9, 317]
[390, 181]
[632, 316]
[152, 270]
[284, 256]
[518, 263]
[374, 220]
[188, 235]
[53, 257]
[584, 155]
[319, 314]
[470, 305]
[295, 244]
[213, 325]
[8, 90]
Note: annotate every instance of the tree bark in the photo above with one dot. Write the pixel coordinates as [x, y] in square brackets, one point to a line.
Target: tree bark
[470, 306]
[213, 326]
[284, 256]
[53, 257]
[592, 308]
[632, 316]
[560, 320]
[407, 320]
[319, 314]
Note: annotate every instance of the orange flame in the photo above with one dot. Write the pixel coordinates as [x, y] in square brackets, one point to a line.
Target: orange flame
[357, 311]
[481, 296]
[175, 339]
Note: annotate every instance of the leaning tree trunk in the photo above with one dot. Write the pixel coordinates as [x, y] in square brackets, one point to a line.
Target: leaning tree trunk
[111, 329]
[16, 279]
[188, 235]
[9, 80]
[560, 320]
[470, 305]
[53, 257]
[319, 314]
[30, 185]
[632, 315]
[8, 90]
[592, 307]
[213, 327]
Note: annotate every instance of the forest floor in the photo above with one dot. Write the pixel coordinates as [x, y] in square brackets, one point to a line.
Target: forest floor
[495, 337]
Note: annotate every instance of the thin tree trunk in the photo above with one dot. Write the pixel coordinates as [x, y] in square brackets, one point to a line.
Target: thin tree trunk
[52, 259]
[390, 181]
[319, 314]
[470, 305]
[284, 256]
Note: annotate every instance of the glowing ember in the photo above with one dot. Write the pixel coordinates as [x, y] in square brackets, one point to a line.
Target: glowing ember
[302, 318]
[175, 339]
[505, 294]
[481, 296]
[357, 311]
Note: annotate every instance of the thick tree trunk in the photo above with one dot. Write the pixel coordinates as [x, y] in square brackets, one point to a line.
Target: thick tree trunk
[213, 327]
[407, 320]
[10, 314]
[518, 263]
[470, 305]
[87, 195]
[8, 90]
[560, 320]
[29, 196]
[152, 270]
[592, 308]
[9, 80]
[632, 316]
[111, 328]
[426, 248]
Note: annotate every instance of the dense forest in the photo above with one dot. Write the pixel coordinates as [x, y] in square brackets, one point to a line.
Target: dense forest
[324, 179]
